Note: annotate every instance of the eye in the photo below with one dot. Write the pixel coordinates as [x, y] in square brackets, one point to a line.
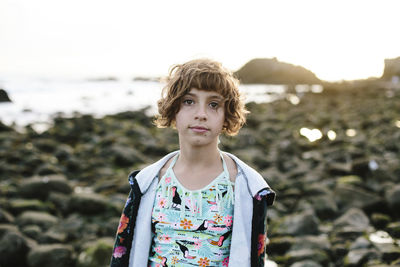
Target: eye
[214, 105]
[188, 101]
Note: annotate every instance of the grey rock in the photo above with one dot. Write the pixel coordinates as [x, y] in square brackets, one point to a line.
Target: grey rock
[96, 253]
[324, 206]
[88, 203]
[394, 229]
[304, 223]
[17, 206]
[306, 263]
[354, 219]
[13, 249]
[312, 242]
[5, 217]
[41, 186]
[51, 255]
[359, 256]
[360, 243]
[348, 196]
[316, 255]
[393, 198]
[42, 219]
[32, 231]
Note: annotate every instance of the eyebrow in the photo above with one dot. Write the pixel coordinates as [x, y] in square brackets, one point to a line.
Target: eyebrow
[209, 97]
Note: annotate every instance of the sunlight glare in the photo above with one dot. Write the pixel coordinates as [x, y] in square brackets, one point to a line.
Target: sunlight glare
[294, 99]
[311, 135]
[351, 132]
[331, 135]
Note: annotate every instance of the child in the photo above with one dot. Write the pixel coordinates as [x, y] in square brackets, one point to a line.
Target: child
[197, 206]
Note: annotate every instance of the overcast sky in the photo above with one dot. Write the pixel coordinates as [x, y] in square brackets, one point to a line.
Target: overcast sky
[334, 39]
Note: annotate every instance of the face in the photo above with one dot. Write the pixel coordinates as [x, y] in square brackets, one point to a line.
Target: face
[201, 118]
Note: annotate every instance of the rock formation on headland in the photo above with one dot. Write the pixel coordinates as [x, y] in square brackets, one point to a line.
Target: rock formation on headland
[392, 69]
[272, 71]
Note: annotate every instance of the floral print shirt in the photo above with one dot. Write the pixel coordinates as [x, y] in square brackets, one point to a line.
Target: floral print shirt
[192, 227]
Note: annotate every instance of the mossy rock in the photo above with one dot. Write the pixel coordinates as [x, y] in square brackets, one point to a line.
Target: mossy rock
[350, 180]
[97, 254]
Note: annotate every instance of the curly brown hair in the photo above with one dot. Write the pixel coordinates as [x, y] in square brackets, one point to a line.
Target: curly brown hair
[202, 74]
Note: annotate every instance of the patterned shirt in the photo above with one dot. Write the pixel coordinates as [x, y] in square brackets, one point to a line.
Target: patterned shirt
[192, 227]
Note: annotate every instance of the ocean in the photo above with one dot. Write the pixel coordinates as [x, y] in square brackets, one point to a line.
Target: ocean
[36, 101]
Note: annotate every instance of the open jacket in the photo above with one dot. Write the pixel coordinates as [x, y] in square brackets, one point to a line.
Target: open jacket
[252, 196]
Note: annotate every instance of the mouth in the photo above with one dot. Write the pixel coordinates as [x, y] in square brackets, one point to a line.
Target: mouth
[198, 129]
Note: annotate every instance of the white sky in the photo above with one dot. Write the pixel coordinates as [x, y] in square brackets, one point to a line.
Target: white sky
[336, 40]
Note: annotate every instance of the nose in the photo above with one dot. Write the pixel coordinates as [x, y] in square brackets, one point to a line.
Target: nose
[201, 113]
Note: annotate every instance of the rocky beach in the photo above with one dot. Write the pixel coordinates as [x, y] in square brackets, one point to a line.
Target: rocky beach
[332, 157]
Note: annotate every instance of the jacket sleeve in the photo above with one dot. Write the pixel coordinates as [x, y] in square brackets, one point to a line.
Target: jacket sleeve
[264, 198]
[124, 236]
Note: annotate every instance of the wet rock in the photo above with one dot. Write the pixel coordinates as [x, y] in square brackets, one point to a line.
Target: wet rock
[17, 206]
[304, 223]
[42, 219]
[354, 218]
[306, 263]
[360, 243]
[312, 242]
[359, 257]
[380, 220]
[96, 253]
[13, 249]
[32, 231]
[51, 255]
[88, 203]
[5, 128]
[316, 255]
[5, 217]
[125, 156]
[280, 245]
[41, 186]
[324, 206]
[350, 196]
[393, 198]
[389, 251]
[394, 229]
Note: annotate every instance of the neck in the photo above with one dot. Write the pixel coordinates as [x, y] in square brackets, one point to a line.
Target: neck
[198, 156]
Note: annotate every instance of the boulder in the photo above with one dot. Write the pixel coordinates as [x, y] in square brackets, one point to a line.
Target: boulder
[5, 217]
[4, 96]
[306, 263]
[41, 219]
[359, 257]
[392, 196]
[88, 203]
[353, 223]
[13, 249]
[271, 71]
[41, 186]
[96, 253]
[51, 255]
[304, 223]
[17, 206]
[349, 196]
